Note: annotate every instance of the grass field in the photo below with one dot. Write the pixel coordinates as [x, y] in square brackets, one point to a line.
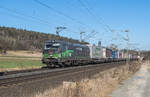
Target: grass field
[15, 62]
[19, 63]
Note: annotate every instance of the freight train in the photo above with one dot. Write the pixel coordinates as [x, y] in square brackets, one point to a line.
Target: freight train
[58, 53]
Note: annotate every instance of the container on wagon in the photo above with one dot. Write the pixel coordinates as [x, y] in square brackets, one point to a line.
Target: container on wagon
[125, 55]
[96, 52]
[107, 53]
[114, 54]
[120, 54]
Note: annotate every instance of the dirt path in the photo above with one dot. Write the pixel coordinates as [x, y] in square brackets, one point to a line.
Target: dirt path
[136, 86]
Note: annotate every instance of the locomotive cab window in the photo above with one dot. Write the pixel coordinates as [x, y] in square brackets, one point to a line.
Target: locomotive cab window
[52, 45]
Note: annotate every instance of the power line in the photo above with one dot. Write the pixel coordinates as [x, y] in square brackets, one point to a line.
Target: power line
[25, 15]
[72, 5]
[109, 28]
[22, 16]
[59, 12]
[92, 14]
[90, 35]
[98, 19]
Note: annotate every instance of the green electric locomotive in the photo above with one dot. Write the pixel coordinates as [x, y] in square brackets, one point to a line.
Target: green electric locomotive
[58, 53]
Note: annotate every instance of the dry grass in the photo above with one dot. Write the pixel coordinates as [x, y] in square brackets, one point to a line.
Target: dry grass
[19, 57]
[25, 53]
[101, 85]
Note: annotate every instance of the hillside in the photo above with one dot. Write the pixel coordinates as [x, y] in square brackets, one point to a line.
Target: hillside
[21, 39]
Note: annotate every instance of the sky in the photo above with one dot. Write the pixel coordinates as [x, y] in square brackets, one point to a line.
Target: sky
[101, 20]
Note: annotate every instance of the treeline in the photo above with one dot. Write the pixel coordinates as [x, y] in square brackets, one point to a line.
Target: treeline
[21, 39]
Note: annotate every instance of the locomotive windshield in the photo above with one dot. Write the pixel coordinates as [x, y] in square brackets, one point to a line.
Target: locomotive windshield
[50, 45]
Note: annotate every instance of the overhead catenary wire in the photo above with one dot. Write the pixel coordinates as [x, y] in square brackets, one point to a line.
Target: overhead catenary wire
[72, 5]
[94, 17]
[86, 4]
[98, 19]
[92, 14]
[35, 19]
[90, 35]
[60, 13]
[22, 18]
[19, 15]
[107, 26]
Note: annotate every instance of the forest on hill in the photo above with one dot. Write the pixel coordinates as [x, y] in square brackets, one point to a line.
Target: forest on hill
[21, 39]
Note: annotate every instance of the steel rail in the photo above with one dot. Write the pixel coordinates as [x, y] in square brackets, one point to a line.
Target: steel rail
[15, 79]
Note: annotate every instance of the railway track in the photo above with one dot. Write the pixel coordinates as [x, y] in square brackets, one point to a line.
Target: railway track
[18, 71]
[24, 77]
